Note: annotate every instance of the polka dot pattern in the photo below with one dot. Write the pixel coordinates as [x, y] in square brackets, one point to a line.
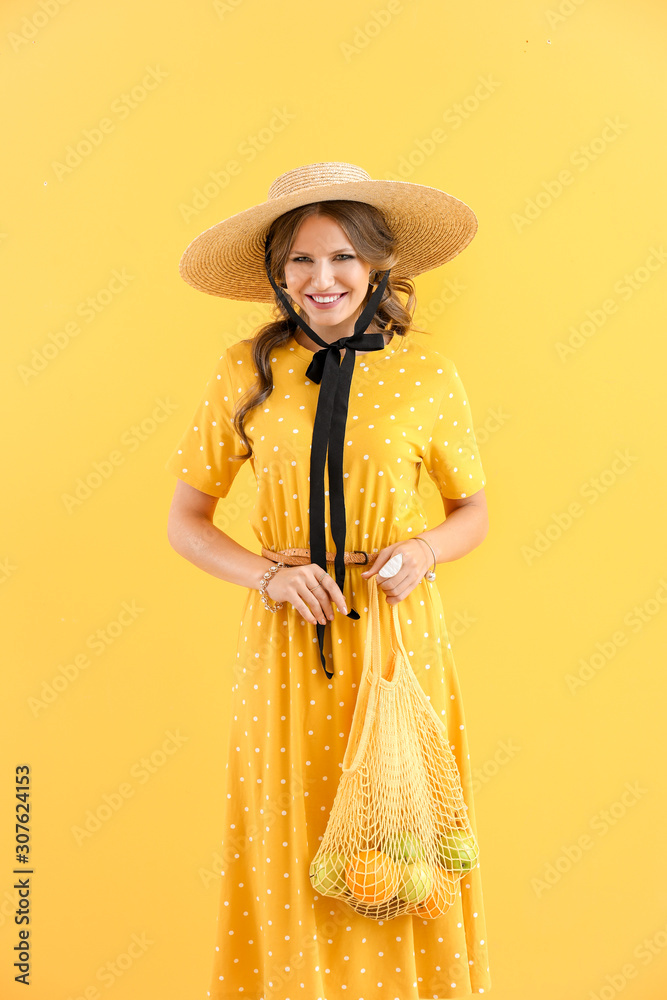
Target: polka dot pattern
[276, 939]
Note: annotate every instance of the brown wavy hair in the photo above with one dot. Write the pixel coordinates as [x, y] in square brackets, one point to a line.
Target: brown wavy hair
[368, 232]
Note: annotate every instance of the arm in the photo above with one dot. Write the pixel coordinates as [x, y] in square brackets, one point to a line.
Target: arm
[466, 526]
[193, 535]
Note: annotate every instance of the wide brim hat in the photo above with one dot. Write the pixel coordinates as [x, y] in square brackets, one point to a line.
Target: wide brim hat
[430, 225]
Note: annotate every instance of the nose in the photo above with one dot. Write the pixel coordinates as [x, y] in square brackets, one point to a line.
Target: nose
[322, 276]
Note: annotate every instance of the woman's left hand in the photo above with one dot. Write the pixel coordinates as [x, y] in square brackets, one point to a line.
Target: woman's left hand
[417, 560]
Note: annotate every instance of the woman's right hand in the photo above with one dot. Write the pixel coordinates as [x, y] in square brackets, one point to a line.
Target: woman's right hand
[310, 591]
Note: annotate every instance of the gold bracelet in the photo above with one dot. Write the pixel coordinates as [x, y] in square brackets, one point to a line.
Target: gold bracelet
[431, 573]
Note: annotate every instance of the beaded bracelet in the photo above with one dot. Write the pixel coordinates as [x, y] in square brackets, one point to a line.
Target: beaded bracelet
[264, 584]
[430, 575]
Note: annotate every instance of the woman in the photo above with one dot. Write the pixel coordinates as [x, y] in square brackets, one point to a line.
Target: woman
[332, 249]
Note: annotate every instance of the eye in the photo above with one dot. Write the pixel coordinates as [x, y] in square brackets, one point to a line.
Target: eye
[345, 255]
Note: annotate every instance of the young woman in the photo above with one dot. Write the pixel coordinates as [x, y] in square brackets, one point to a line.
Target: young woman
[336, 398]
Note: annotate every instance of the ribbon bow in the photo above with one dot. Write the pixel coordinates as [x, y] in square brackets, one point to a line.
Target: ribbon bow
[328, 439]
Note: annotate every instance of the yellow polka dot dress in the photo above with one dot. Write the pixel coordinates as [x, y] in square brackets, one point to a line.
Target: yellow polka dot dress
[277, 939]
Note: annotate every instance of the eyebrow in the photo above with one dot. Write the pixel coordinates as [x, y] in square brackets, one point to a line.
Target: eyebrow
[342, 250]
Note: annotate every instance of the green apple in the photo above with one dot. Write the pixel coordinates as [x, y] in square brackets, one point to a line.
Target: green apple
[327, 873]
[404, 846]
[416, 882]
[458, 851]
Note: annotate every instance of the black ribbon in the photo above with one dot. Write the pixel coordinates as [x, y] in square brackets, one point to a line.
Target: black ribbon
[328, 440]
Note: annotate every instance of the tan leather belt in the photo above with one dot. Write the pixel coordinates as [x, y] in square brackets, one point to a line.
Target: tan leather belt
[295, 557]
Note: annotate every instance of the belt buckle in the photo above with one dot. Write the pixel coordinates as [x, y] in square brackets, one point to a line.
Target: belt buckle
[363, 552]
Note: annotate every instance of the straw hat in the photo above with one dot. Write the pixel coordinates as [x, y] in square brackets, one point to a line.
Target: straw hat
[430, 226]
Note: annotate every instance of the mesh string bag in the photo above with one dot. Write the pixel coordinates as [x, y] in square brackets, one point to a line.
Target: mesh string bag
[398, 838]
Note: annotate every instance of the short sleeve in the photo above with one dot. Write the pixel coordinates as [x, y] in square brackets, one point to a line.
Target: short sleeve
[451, 456]
[203, 456]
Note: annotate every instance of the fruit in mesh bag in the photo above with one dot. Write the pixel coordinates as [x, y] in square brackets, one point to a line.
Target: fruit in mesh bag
[376, 911]
[441, 897]
[371, 876]
[327, 873]
[416, 881]
[404, 846]
[458, 851]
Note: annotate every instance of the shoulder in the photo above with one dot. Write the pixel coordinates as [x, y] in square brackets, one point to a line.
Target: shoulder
[236, 363]
[435, 366]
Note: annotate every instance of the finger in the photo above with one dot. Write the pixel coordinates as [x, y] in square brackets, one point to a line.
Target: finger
[377, 564]
[313, 612]
[334, 593]
[392, 585]
[320, 591]
[324, 606]
[402, 592]
[381, 560]
[316, 595]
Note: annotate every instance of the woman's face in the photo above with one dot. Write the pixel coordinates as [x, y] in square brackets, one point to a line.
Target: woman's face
[325, 276]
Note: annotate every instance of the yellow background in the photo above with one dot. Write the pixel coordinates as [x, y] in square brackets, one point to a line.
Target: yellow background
[576, 903]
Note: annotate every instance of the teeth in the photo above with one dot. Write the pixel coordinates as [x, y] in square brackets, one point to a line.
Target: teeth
[326, 298]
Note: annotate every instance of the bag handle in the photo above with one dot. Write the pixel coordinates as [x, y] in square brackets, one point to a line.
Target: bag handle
[396, 640]
[371, 678]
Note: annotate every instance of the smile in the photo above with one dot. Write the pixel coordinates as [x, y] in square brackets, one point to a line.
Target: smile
[326, 300]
